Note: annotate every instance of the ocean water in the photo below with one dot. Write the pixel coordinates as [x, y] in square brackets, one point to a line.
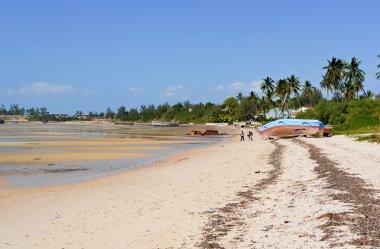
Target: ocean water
[18, 176]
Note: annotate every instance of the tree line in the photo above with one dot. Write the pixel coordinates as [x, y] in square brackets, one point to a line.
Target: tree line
[345, 81]
[14, 109]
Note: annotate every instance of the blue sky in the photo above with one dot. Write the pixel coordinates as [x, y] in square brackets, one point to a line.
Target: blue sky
[90, 55]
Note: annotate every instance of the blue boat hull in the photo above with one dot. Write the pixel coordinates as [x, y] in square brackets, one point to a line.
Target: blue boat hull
[292, 128]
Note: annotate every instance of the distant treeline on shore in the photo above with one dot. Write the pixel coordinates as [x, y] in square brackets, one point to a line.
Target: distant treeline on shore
[350, 105]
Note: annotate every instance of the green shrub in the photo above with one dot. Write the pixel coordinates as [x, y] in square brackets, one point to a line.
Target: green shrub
[356, 116]
[373, 138]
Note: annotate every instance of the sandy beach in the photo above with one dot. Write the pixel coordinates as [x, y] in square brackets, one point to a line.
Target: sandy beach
[288, 193]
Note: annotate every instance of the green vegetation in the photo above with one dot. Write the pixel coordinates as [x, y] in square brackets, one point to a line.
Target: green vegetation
[348, 112]
[348, 117]
[373, 138]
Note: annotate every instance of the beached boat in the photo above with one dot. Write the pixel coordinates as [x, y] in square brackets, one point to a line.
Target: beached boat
[204, 133]
[294, 128]
[165, 124]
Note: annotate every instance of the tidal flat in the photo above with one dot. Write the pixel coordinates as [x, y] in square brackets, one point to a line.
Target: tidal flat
[34, 154]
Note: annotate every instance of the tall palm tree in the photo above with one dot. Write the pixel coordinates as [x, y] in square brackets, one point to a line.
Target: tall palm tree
[253, 95]
[294, 87]
[267, 85]
[326, 86]
[335, 71]
[282, 91]
[254, 98]
[308, 90]
[370, 94]
[263, 105]
[239, 97]
[378, 66]
[355, 76]
[268, 88]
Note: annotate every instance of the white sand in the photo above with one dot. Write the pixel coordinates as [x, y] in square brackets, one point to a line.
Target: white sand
[169, 205]
[160, 206]
[286, 216]
[358, 158]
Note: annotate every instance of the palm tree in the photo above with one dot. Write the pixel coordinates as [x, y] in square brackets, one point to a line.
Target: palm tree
[254, 98]
[294, 87]
[326, 86]
[378, 66]
[263, 106]
[282, 91]
[253, 95]
[369, 94]
[348, 90]
[308, 90]
[355, 76]
[239, 97]
[335, 71]
[267, 85]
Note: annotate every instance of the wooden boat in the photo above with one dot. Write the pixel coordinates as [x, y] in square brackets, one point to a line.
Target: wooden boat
[294, 128]
[204, 133]
[165, 124]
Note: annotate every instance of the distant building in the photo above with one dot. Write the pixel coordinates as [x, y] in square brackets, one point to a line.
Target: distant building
[275, 113]
[82, 116]
[58, 115]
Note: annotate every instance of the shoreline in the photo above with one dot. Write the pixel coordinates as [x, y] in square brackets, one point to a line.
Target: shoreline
[166, 161]
[64, 157]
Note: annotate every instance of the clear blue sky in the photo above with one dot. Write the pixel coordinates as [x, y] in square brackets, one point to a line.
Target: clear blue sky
[90, 55]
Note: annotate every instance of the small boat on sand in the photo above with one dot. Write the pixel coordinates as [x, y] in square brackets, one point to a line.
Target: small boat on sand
[203, 133]
[294, 128]
[165, 124]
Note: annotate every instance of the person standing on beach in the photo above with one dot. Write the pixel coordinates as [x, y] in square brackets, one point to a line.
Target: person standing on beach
[250, 135]
[242, 136]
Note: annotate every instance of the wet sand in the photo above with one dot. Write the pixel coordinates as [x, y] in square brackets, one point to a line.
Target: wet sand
[33, 154]
[60, 157]
[287, 193]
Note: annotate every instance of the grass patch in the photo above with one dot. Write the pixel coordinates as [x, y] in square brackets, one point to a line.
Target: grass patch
[337, 130]
[373, 138]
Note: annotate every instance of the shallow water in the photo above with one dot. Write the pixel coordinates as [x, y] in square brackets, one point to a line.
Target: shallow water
[70, 172]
